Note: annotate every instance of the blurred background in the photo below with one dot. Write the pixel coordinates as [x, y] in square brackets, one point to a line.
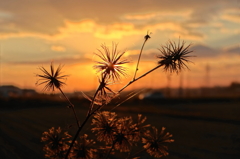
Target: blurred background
[199, 106]
[35, 33]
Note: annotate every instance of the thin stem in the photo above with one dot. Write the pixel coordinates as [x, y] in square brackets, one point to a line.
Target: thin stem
[114, 142]
[89, 114]
[137, 153]
[139, 59]
[134, 80]
[78, 131]
[98, 89]
[72, 106]
[92, 103]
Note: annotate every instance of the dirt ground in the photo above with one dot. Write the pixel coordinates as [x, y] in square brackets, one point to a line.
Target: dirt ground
[201, 130]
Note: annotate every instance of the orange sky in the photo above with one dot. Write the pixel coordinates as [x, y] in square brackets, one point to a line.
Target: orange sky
[42, 31]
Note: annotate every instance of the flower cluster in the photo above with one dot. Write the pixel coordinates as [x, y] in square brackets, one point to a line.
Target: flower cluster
[104, 125]
[155, 142]
[123, 133]
[83, 149]
[56, 143]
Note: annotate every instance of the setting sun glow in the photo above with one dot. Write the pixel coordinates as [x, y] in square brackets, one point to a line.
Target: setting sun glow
[34, 35]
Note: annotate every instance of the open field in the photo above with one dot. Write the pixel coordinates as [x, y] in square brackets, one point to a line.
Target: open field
[202, 129]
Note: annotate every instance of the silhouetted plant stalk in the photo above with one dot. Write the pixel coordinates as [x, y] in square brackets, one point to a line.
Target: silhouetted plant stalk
[110, 150]
[119, 133]
[71, 106]
[78, 131]
[101, 86]
[53, 80]
[136, 79]
[140, 54]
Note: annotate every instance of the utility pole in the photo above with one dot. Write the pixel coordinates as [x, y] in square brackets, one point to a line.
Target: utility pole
[0, 64]
[207, 76]
[180, 90]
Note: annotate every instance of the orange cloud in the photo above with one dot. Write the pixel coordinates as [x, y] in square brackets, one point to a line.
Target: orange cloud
[58, 48]
[231, 15]
[113, 31]
[110, 31]
[140, 16]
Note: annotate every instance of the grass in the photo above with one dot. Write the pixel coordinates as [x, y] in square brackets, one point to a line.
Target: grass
[200, 130]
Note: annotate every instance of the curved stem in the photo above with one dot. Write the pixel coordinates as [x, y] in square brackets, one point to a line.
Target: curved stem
[89, 114]
[139, 59]
[98, 89]
[136, 153]
[134, 80]
[92, 103]
[79, 130]
[72, 106]
[114, 142]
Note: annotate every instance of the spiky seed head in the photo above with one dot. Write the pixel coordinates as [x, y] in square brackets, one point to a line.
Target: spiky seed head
[111, 62]
[52, 79]
[154, 142]
[174, 56]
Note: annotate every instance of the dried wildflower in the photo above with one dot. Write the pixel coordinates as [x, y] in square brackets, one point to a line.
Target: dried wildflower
[146, 37]
[154, 142]
[105, 94]
[51, 79]
[122, 138]
[56, 143]
[104, 126]
[83, 148]
[111, 64]
[174, 56]
[139, 128]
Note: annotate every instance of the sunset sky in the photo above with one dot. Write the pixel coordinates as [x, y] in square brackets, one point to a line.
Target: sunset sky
[33, 33]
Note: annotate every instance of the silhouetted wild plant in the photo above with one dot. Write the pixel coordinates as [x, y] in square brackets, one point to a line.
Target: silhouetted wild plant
[117, 134]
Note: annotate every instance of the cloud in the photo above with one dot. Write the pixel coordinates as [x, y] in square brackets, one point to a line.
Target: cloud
[233, 49]
[146, 16]
[110, 31]
[46, 17]
[202, 51]
[58, 48]
[149, 55]
[63, 60]
[231, 15]
[120, 30]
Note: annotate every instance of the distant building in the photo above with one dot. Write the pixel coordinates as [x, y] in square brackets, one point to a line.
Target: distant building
[13, 91]
[235, 86]
[28, 92]
[151, 95]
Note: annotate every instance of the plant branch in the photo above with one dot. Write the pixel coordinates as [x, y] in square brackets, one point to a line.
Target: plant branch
[110, 150]
[137, 153]
[71, 105]
[94, 97]
[92, 103]
[139, 58]
[134, 80]
[79, 130]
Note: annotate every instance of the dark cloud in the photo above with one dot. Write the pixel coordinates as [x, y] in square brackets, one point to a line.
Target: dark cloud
[151, 56]
[46, 16]
[202, 51]
[233, 50]
[67, 60]
[199, 51]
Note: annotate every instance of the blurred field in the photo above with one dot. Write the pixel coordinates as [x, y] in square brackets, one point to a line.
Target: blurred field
[202, 129]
